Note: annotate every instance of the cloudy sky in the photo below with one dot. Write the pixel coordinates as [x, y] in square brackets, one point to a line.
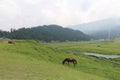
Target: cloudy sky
[27, 13]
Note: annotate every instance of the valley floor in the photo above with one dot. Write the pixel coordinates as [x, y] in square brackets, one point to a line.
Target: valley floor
[31, 60]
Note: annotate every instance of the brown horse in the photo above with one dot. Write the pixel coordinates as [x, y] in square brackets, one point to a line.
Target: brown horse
[74, 61]
[10, 41]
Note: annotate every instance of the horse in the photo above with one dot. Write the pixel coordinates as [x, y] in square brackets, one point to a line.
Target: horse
[74, 61]
[10, 41]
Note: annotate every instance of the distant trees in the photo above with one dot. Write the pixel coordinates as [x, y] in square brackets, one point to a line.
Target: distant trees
[48, 33]
[3, 33]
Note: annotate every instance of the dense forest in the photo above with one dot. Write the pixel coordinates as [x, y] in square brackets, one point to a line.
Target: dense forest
[46, 33]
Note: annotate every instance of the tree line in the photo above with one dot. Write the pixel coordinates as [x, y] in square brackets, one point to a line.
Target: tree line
[46, 33]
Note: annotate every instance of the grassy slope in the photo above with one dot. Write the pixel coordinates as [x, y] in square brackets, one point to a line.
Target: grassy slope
[99, 66]
[107, 47]
[29, 60]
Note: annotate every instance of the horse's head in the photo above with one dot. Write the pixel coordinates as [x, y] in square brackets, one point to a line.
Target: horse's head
[66, 59]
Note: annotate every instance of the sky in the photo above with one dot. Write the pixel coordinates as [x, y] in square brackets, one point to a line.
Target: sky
[29, 13]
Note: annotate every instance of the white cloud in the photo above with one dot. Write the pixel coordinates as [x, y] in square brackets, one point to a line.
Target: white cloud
[105, 9]
[8, 8]
[31, 1]
[24, 13]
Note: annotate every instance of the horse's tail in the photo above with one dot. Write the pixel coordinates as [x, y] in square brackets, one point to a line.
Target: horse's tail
[75, 62]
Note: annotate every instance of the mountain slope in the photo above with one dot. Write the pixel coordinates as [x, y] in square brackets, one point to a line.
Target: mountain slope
[37, 62]
[48, 33]
[101, 29]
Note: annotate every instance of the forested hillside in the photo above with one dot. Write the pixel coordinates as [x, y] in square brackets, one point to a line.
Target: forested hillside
[48, 33]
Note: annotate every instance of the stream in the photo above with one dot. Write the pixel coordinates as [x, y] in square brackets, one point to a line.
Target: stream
[99, 55]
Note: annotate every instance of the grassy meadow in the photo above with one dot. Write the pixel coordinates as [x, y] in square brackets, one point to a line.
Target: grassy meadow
[32, 60]
[103, 47]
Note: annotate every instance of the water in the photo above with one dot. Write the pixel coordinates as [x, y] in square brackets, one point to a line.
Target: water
[101, 55]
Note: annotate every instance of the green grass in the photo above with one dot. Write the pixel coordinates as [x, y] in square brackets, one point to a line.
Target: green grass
[106, 47]
[31, 60]
[22, 68]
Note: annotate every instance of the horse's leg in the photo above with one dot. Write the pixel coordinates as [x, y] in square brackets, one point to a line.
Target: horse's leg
[74, 64]
[68, 63]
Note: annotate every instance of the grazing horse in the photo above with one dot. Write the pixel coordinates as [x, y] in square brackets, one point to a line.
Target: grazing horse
[10, 41]
[74, 61]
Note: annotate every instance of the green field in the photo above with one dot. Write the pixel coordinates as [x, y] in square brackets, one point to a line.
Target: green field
[33, 60]
[105, 47]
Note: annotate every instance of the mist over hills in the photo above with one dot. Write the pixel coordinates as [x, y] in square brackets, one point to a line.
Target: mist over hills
[102, 29]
